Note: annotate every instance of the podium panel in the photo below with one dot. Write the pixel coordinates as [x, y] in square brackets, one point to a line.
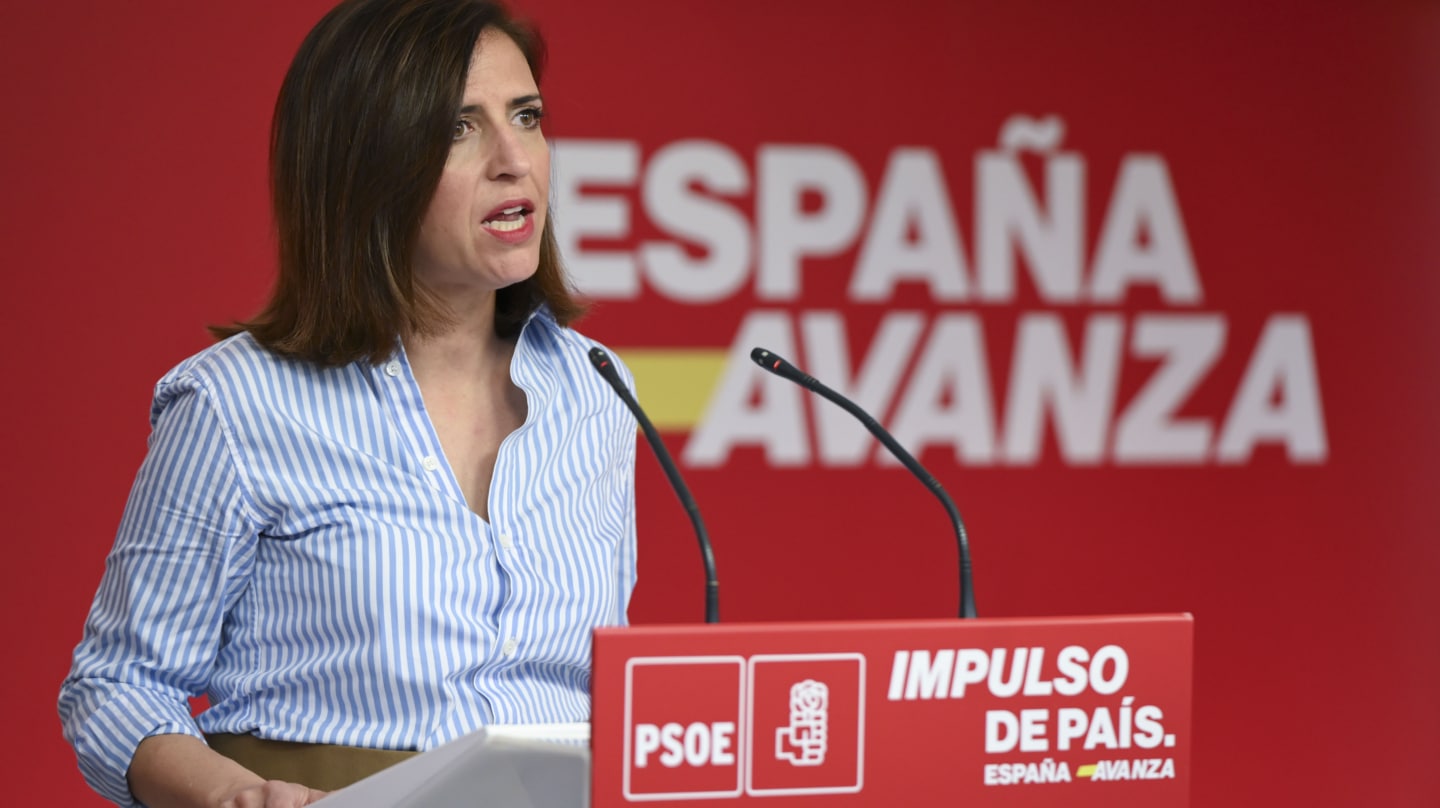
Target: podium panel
[1077, 712]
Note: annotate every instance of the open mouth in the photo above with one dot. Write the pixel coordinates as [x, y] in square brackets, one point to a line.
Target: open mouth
[508, 219]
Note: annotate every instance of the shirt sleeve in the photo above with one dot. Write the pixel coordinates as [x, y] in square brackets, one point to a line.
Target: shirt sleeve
[181, 558]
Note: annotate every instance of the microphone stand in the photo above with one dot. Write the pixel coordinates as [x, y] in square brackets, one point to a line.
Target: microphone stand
[778, 366]
[601, 360]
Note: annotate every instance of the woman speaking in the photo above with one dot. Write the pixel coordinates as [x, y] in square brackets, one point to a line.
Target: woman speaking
[391, 508]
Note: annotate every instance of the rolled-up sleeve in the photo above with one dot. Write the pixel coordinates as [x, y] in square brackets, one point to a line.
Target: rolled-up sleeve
[181, 558]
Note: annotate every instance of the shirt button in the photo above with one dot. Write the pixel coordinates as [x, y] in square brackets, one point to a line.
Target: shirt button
[392, 368]
[508, 649]
[431, 463]
[507, 542]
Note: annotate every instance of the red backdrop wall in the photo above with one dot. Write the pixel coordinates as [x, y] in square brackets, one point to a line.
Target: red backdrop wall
[1239, 199]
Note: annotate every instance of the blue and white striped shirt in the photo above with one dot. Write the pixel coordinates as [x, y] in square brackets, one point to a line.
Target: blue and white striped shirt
[297, 546]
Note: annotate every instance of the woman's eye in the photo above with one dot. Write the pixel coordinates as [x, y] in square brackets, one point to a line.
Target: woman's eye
[529, 117]
[462, 128]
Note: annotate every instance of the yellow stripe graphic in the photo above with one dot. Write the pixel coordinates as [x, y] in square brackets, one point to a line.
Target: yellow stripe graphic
[674, 385]
[1088, 770]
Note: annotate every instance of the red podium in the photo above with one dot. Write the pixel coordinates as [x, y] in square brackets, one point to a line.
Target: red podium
[1076, 712]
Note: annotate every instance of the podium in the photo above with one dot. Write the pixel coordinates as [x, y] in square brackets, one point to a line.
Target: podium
[1079, 712]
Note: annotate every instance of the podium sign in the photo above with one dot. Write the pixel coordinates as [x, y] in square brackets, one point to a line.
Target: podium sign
[1005, 712]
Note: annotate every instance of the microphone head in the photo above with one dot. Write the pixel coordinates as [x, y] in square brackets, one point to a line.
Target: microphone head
[776, 364]
[767, 360]
[598, 357]
[601, 360]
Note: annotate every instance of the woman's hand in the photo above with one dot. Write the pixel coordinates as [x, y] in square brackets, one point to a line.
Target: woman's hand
[180, 771]
[272, 794]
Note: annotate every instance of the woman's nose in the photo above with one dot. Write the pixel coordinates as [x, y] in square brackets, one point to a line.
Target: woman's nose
[510, 155]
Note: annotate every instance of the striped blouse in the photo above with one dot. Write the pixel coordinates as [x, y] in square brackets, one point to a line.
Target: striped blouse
[297, 547]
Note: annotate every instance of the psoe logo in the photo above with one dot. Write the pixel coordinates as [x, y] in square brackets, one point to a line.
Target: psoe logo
[811, 707]
[683, 726]
[802, 743]
[705, 727]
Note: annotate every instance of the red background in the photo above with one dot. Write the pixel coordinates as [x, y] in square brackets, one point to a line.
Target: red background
[1302, 145]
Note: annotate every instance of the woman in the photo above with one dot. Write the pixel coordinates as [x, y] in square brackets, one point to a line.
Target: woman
[390, 509]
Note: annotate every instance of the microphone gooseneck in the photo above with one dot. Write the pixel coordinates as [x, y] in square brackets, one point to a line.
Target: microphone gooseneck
[601, 360]
[778, 366]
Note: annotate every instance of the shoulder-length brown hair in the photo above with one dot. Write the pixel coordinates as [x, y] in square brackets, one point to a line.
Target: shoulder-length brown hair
[361, 133]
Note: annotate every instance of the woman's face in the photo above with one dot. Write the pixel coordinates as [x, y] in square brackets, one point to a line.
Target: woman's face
[482, 229]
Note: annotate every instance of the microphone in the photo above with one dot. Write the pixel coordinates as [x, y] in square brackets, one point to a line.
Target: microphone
[780, 367]
[601, 360]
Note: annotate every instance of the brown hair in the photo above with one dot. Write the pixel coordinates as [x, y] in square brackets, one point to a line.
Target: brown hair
[361, 133]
